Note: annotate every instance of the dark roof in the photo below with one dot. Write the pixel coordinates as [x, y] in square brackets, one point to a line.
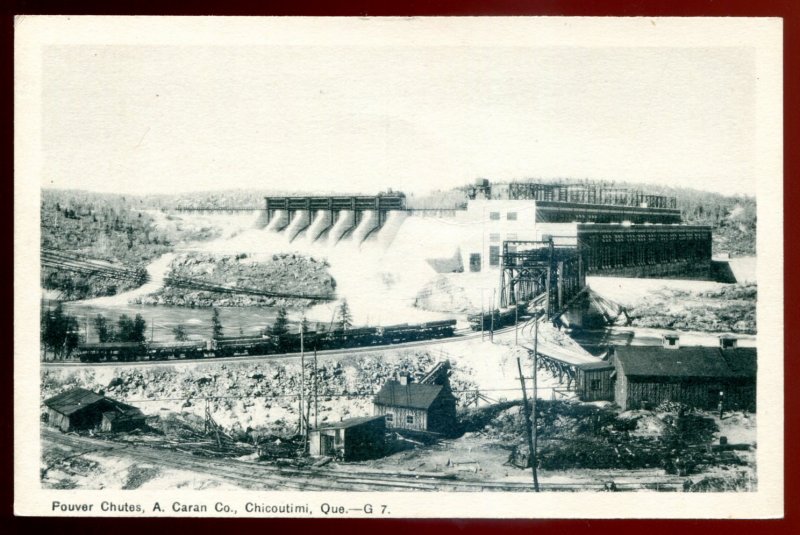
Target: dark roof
[742, 361]
[123, 412]
[686, 362]
[599, 365]
[73, 400]
[351, 422]
[412, 395]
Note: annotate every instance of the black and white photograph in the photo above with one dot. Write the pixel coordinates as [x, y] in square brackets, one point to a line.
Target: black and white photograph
[369, 267]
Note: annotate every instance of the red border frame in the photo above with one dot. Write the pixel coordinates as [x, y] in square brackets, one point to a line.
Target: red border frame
[789, 10]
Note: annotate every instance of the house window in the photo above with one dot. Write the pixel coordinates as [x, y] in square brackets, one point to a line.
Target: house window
[494, 216]
[511, 216]
[389, 417]
[475, 262]
[511, 236]
[494, 237]
[594, 384]
[410, 419]
[494, 255]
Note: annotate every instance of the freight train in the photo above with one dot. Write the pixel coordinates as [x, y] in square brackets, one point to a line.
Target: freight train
[321, 338]
[503, 317]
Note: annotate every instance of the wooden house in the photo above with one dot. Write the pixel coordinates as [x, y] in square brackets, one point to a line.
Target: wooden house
[699, 377]
[594, 381]
[353, 439]
[81, 409]
[420, 407]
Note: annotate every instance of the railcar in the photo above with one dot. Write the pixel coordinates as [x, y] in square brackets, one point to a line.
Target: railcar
[107, 351]
[322, 338]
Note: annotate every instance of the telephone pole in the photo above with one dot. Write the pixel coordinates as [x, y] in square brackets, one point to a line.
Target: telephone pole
[491, 333]
[527, 412]
[483, 315]
[303, 424]
[534, 455]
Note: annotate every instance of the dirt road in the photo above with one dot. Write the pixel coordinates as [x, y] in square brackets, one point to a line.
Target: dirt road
[260, 476]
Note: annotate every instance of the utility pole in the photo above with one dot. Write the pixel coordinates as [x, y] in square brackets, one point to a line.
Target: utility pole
[316, 382]
[535, 457]
[527, 410]
[483, 315]
[303, 427]
[491, 333]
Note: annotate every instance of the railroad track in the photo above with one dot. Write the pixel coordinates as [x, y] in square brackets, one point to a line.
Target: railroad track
[260, 476]
[460, 336]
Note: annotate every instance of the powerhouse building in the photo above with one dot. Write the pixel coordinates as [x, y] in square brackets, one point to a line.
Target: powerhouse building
[616, 231]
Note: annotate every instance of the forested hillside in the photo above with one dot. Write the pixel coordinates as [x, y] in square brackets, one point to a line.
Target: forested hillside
[96, 226]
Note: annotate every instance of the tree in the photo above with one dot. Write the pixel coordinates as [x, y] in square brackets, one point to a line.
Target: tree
[280, 329]
[179, 332]
[131, 330]
[105, 332]
[345, 317]
[216, 325]
[59, 332]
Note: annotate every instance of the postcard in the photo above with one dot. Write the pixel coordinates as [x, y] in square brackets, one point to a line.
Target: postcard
[451, 267]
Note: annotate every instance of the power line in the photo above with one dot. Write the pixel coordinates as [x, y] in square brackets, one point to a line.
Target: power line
[321, 394]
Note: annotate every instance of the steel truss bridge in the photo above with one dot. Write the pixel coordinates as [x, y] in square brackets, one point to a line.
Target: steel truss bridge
[541, 271]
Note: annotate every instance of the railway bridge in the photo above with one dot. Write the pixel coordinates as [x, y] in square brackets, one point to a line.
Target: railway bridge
[541, 271]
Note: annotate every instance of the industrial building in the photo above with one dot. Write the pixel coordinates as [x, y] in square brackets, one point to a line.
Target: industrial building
[637, 377]
[354, 439]
[80, 409]
[616, 231]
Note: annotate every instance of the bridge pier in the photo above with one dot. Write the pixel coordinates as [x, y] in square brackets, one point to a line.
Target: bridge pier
[323, 219]
[277, 220]
[299, 222]
[345, 220]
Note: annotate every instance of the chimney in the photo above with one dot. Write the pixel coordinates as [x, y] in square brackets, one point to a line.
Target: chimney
[671, 341]
[727, 341]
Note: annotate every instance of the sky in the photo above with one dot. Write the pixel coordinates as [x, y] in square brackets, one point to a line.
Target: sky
[168, 118]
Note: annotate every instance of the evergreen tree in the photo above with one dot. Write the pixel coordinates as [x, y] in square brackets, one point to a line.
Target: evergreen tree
[59, 332]
[280, 329]
[216, 325]
[131, 330]
[105, 332]
[179, 332]
[345, 317]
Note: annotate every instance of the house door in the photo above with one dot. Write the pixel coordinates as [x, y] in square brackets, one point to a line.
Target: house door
[326, 446]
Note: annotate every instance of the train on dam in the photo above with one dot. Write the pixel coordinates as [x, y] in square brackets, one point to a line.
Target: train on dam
[321, 338]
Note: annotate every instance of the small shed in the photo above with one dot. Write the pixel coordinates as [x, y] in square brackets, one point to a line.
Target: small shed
[696, 376]
[594, 381]
[417, 406]
[81, 409]
[353, 439]
[121, 418]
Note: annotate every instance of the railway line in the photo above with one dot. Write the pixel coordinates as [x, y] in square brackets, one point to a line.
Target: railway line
[260, 476]
[460, 335]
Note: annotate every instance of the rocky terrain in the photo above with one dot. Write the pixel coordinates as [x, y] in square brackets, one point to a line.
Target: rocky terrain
[731, 308]
[255, 396]
[279, 272]
[573, 435]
